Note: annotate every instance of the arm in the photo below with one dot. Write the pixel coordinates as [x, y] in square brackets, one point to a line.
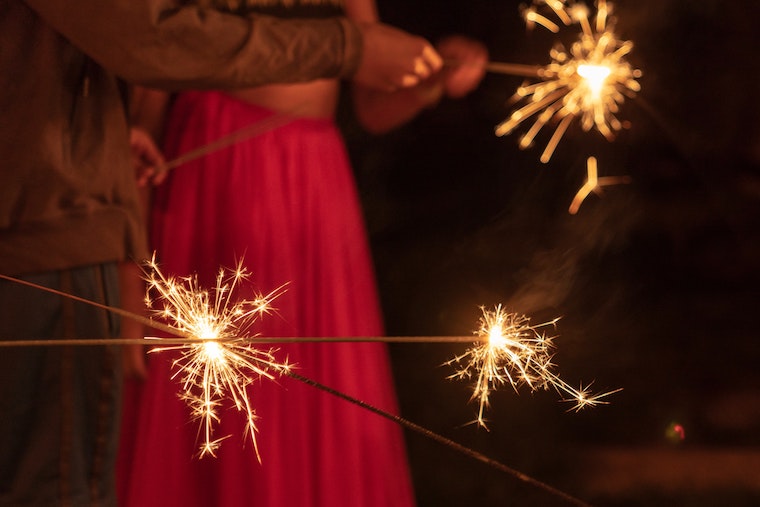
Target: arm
[148, 109]
[146, 157]
[380, 111]
[156, 43]
[466, 61]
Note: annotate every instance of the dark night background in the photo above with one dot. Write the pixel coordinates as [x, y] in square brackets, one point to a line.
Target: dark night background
[656, 282]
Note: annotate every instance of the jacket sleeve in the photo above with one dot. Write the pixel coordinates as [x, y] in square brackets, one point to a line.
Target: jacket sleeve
[176, 46]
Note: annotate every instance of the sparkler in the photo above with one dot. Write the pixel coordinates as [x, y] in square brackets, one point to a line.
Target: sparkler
[589, 81]
[219, 361]
[254, 129]
[510, 350]
[593, 184]
[215, 357]
[217, 352]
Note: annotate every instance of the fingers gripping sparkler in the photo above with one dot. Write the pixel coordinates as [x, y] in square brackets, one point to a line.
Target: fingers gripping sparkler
[511, 351]
[589, 81]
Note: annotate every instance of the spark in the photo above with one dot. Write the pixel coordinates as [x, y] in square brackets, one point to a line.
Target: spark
[511, 351]
[588, 82]
[593, 184]
[220, 360]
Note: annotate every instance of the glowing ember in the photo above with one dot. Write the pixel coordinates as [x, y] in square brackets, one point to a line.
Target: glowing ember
[514, 352]
[223, 362]
[595, 77]
[588, 82]
[593, 184]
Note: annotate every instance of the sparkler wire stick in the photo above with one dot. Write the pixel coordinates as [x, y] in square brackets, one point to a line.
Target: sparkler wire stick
[186, 339]
[149, 340]
[276, 120]
[118, 311]
[517, 69]
[511, 69]
[270, 123]
[211, 446]
[529, 356]
[441, 439]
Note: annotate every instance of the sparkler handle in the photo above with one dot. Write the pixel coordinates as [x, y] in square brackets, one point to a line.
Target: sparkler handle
[118, 311]
[512, 69]
[440, 439]
[276, 120]
[250, 340]
[516, 69]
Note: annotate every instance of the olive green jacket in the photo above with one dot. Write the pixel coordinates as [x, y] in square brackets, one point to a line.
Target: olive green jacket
[67, 191]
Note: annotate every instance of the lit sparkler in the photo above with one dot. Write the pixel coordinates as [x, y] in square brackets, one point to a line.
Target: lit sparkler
[215, 356]
[593, 184]
[511, 351]
[221, 360]
[588, 82]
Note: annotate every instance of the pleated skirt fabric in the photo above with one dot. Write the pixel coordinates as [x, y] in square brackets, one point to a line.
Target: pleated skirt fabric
[284, 203]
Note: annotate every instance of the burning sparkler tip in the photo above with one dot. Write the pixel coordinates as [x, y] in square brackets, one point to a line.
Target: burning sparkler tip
[220, 361]
[512, 351]
[588, 81]
[582, 398]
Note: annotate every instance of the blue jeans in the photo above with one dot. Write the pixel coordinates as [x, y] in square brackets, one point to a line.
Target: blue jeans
[59, 405]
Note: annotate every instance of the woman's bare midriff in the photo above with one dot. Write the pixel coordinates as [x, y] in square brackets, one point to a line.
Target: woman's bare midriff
[315, 99]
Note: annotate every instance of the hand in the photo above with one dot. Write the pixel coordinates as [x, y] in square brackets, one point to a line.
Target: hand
[147, 159]
[394, 59]
[466, 64]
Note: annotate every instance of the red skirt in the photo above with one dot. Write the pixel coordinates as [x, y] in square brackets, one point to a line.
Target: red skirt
[285, 202]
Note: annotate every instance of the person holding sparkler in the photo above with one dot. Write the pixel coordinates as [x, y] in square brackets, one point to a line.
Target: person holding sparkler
[69, 208]
[282, 203]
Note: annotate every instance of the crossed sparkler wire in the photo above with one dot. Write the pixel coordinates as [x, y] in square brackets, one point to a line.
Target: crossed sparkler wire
[217, 363]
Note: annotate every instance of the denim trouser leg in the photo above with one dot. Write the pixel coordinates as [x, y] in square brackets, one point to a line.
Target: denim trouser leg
[59, 405]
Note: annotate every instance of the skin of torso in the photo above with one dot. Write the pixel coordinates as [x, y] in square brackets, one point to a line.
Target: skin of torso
[315, 99]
